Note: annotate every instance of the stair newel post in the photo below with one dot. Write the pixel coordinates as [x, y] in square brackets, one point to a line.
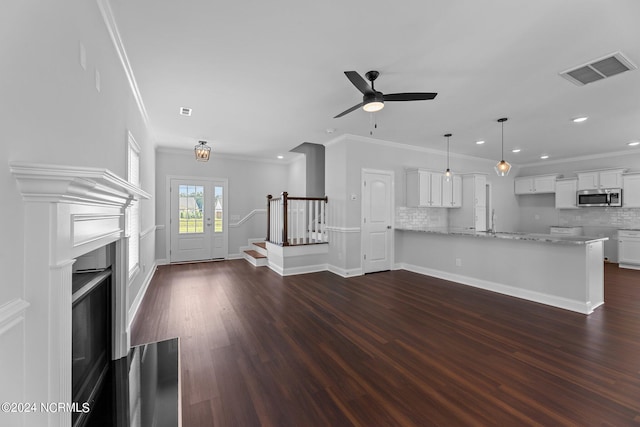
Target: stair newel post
[285, 221]
[269, 197]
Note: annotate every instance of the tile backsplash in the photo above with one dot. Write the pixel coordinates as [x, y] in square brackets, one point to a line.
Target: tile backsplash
[601, 217]
[421, 217]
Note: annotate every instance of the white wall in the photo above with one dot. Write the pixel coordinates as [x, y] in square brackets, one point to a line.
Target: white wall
[52, 113]
[348, 155]
[297, 180]
[249, 183]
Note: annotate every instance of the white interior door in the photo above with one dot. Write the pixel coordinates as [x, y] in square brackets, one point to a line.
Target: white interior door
[377, 220]
[198, 219]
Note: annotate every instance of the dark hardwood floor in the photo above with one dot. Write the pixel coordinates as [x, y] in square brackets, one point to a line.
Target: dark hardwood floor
[392, 348]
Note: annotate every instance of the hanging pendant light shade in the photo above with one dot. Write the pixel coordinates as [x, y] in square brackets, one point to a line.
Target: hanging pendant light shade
[202, 151]
[502, 168]
[448, 174]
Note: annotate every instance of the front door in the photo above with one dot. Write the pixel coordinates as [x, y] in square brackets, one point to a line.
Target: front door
[198, 219]
[377, 217]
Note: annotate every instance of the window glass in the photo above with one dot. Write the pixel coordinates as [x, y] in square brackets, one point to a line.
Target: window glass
[218, 209]
[191, 209]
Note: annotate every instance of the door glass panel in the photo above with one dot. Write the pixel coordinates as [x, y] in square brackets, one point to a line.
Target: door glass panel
[191, 209]
[217, 209]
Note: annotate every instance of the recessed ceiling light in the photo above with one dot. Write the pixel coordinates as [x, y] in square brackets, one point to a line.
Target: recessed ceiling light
[185, 111]
[515, 150]
[579, 119]
[479, 142]
[633, 143]
[280, 156]
[544, 156]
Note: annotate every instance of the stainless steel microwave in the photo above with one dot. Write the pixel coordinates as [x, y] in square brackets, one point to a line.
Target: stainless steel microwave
[603, 197]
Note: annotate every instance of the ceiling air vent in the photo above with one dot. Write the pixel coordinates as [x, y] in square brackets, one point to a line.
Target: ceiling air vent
[599, 69]
[185, 111]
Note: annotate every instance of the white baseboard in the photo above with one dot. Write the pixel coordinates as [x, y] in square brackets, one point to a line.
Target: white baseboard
[629, 266]
[133, 310]
[236, 256]
[162, 262]
[351, 272]
[552, 300]
[291, 271]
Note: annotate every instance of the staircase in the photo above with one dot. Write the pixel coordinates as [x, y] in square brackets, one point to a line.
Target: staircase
[257, 254]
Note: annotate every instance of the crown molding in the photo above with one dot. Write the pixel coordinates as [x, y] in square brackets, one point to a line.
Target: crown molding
[68, 184]
[582, 158]
[218, 155]
[400, 145]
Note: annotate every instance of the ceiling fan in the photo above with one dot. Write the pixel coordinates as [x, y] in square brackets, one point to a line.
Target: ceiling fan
[373, 100]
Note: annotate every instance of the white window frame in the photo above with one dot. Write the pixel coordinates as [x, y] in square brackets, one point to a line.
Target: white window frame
[133, 211]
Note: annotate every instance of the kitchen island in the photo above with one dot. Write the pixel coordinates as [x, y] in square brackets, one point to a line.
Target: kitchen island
[561, 271]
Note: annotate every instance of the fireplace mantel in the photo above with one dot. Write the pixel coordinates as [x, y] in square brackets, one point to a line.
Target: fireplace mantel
[68, 211]
[54, 183]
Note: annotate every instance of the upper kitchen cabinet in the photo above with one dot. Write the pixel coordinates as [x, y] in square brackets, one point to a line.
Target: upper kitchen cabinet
[452, 192]
[598, 179]
[631, 190]
[540, 184]
[424, 188]
[566, 193]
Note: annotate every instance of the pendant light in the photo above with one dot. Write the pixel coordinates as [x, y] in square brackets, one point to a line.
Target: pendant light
[502, 168]
[203, 151]
[448, 174]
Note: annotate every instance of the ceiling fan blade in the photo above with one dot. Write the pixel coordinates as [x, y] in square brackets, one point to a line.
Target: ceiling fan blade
[410, 96]
[359, 82]
[355, 107]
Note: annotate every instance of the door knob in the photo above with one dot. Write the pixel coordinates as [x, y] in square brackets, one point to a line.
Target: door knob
[388, 227]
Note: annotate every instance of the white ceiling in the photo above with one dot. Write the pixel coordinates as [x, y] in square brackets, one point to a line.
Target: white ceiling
[264, 76]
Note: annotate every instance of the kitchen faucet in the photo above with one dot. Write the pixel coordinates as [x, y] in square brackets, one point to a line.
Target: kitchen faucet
[493, 221]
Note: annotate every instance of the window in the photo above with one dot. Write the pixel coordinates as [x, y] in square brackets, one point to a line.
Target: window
[191, 209]
[133, 211]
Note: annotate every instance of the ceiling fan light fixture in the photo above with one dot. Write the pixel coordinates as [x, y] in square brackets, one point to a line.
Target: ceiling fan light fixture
[203, 151]
[373, 106]
[503, 167]
[372, 102]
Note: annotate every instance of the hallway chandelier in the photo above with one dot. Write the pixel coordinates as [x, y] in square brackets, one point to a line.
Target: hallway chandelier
[448, 174]
[502, 168]
[203, 151]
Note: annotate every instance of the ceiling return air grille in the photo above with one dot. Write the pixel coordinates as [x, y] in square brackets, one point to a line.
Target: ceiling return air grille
[599, 69]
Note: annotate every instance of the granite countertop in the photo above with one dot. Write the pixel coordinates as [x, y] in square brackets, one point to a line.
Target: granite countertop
[508, 235]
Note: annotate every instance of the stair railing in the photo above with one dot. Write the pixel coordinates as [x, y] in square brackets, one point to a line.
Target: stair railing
[296, 220]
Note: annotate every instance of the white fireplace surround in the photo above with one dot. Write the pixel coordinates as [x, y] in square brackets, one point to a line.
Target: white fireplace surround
[68, 211]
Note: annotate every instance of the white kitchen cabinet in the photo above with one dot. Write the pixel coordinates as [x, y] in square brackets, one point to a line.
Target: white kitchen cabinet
[566, 193]
[629, 249]
[424, 188]
[611, 179]
[631, 190]
[452, 192]
[599, 179]
[540, 184]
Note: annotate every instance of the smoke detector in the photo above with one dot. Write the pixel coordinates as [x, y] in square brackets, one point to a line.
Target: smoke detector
[598, 69]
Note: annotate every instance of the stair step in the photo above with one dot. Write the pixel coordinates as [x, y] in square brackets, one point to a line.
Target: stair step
[262, 245]
[255, 258]
[255, 254]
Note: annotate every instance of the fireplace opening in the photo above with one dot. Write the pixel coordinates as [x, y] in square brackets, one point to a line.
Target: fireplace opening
[91, 329]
